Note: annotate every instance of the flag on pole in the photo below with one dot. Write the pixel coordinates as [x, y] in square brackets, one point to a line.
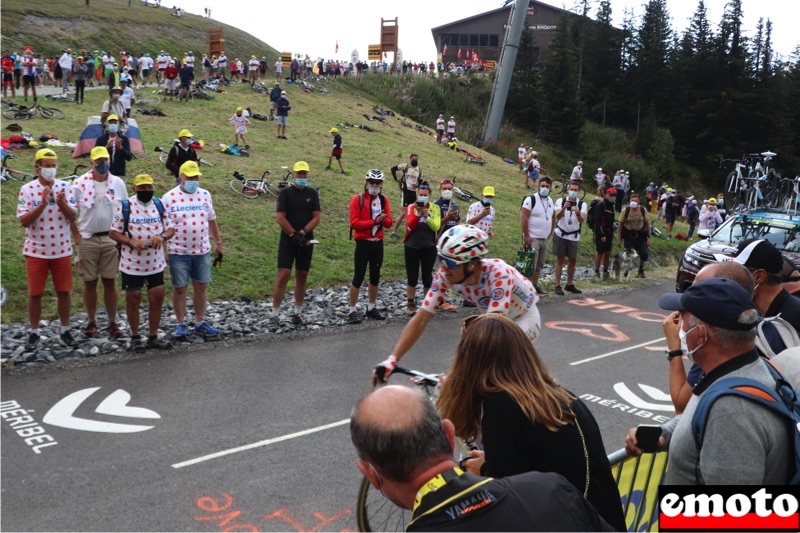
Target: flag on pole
[444, 50]
[337, 46]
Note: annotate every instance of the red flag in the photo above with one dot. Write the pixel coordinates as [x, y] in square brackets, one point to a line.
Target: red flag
[337, 47]
[458, 55]
[385, 55]
[444, 50]
[474, 56]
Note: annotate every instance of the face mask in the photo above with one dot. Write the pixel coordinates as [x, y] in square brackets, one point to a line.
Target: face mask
[634, 205]
[414, 162]
[685, 347]
[543, 191]
[49, 174]
[101, 168]
[447, 194]
[488, 201]
[373, 191]
[612, 199]
[115, 97]
[300, 182]
[144, 196]
[423, 200]
[190, 186]
[720, 202]
[113, 128]
[572, 194]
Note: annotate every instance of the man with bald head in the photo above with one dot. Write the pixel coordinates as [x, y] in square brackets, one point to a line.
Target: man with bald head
[409, 457]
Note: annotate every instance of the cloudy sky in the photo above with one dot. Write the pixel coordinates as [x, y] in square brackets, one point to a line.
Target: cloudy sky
[315, 26]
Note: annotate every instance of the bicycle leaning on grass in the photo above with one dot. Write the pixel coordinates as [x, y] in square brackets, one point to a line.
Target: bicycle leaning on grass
[9, 174]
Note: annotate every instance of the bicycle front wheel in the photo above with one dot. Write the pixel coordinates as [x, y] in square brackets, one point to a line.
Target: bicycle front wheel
[244, 188]
[273, 190]
[150, 100]
[51, 113]
[376, 513]
[557, 188]
[14, 114]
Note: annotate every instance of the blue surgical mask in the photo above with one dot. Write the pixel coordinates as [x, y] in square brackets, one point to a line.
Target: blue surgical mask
[488, 201]
[113, 128]
[572, 194]
[190, 186]
[301, 182]
[423, 199]
[101, 168]
[544, 191]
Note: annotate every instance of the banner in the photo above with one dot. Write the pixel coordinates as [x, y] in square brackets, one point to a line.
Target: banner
[93, 130]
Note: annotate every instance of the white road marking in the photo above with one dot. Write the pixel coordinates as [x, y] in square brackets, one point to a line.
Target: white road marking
[267, 442]
[596, 357]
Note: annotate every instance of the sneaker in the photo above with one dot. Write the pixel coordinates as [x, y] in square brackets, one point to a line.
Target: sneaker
[558, 290]
[447, 306]
[181, 333]
[67, 339]
[393, 235]
[158, 344]
[33, 342]
[138, 344]
[204, 329]
[113, 331]
[355, 318]
[90, 329]
[298, 320]
[328, 168]
[342, 172]
[374, 314]
[467, 303]
[597, 273]
[641, 274]
[274, 322]
[573, 289]
[539, 291]
[606, 274]
[411, 309]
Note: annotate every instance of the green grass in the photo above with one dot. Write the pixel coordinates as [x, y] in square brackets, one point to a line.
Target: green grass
[248, 226]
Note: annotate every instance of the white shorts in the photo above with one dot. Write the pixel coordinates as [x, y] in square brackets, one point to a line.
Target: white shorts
[531, 323]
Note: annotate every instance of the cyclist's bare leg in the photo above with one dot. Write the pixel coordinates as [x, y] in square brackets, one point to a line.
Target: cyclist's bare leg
[279, 290]
[300, 280]
[399, 220]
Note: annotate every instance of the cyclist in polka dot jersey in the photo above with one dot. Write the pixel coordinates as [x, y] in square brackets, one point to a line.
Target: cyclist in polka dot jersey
[491, 284]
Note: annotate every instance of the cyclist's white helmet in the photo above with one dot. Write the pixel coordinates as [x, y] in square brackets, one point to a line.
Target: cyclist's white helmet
[463, 243]
[374, 175]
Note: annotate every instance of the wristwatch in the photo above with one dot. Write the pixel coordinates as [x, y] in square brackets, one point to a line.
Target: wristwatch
[671, 354]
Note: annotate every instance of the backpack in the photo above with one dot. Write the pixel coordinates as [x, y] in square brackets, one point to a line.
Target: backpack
[782, 328]
[629, 230]
[782, 400]
[590, 216]
[126, 213]
[361, 206]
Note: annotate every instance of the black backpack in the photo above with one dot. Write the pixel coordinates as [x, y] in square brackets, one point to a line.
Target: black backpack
[591, 212]
[361, 206]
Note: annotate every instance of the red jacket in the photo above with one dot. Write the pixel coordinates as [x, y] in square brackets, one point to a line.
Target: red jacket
[361, 221]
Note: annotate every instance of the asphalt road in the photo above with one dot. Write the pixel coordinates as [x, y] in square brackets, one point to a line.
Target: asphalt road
[129, 445]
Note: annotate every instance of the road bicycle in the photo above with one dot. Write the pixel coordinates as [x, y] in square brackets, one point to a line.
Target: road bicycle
[163, 155]
[74, 174]
[374, 511]
[9, 174]
[789, 193]
[560, 187]
[752, 184]
[21, 112]
[201, 94]
[463, 193]
[252, 188]
[62, 97]
[150, 100]
[258, 87]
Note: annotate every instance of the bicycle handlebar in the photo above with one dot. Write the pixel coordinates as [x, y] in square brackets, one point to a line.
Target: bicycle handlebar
[429, 380]
[237, 175]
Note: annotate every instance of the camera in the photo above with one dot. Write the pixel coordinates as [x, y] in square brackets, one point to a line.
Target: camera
[420, 204]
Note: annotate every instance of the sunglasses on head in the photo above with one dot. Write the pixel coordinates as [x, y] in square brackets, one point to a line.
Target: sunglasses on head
[449, 263]
[468, 322]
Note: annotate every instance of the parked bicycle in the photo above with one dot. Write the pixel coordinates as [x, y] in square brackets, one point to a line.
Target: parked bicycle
[752, 183]
[560, 186]
[463, 193]
[789, 193]
[9, 174]
[252, 188]
[75, 174]
[21, 112]
[149, 100]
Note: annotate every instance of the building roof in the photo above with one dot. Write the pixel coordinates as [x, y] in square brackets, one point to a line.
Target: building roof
[531, 3]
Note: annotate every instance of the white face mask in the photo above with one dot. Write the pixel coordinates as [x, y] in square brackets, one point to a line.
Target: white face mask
[374, 191]
[447, 194]
[48, 174]
[685, 347]
[634, 205]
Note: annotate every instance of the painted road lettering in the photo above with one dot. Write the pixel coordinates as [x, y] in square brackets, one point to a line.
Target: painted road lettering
[606, 332]
[632, 312]
[26, 426]
[614, 404]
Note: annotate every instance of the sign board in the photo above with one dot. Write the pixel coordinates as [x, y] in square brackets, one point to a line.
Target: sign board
[354, 56]
[286, 59]
[490, 64]
[374, 52]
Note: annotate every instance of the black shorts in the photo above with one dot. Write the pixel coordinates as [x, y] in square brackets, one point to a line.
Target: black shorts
[440, 132]
[145, 72]
[669, 216]
[29, 81]
[290, 253]
[8, 76]
[367, 253]
[640, 245]
[603, 247]
[409, 197]
[185, 84]
[132, 283]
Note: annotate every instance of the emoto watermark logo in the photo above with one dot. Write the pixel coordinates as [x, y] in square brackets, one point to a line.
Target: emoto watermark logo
[729, 508]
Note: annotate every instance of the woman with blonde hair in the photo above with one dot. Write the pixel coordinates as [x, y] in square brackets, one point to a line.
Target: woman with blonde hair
[498, 389]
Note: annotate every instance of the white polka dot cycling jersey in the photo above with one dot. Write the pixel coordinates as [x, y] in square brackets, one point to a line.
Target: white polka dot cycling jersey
[500, 289]
[48, 237]
[189, 215]
[144, 224]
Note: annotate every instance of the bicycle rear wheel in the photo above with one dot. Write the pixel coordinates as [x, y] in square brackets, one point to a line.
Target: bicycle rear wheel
[244, 188]
[51, 113]
[463, 194]
[375, 512]
[272, 189]
[15, 114]
[557, 188]
[204, 162]
[150, 100]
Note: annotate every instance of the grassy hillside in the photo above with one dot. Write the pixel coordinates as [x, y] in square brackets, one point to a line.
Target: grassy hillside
[111, 25]
[248, 226]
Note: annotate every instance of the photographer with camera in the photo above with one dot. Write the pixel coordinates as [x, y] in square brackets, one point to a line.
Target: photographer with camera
[423, 220]
[570, 214]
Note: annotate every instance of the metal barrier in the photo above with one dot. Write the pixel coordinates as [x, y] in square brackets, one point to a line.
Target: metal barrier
[638, 479]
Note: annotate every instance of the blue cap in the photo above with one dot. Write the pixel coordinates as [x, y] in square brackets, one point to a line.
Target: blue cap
[719, 302]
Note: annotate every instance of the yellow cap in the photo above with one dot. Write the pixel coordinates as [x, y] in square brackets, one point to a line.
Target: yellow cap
[185, 133]
[239, 109]
[112, 117]
[142, 179]
[190, 169]
[712, 201]
[488, 190]
[300, 166]
[334, 130]
[98, 152]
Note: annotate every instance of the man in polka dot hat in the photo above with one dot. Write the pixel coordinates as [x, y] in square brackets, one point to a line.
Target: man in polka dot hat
[46, 208]
[491, 284]
[142, 258]
[191, 212]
